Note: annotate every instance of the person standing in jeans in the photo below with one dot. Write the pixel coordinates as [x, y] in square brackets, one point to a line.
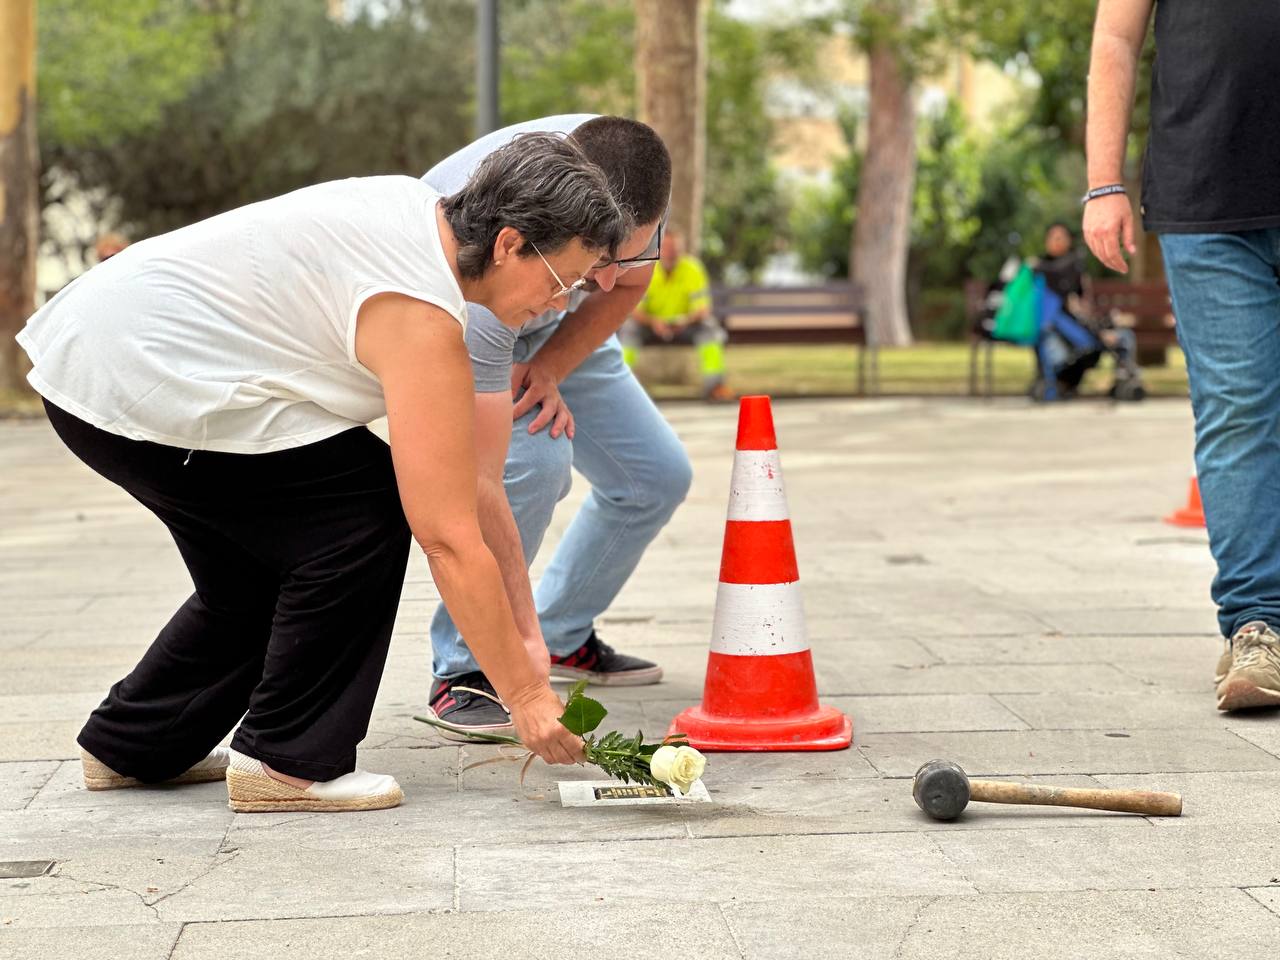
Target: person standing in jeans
[1211, 190]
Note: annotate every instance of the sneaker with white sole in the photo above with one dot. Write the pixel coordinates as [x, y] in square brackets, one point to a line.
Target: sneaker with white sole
[599, 663]
[98, 776]
[1254, 677]
[250, 789]
[468, 705]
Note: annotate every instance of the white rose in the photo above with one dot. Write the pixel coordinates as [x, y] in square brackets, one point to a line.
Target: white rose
[681, 767]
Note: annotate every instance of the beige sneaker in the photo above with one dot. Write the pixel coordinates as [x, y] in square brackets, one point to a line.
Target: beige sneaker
[98, 776]
[1254, 677]
[1224, 664]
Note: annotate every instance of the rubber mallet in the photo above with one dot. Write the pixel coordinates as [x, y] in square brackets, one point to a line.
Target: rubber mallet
[943, 790]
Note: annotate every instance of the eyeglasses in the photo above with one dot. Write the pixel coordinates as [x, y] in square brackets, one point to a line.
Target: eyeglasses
[564, 291]
[624, 265]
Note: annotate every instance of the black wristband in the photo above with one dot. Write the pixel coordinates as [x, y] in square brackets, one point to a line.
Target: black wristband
[1106, 191]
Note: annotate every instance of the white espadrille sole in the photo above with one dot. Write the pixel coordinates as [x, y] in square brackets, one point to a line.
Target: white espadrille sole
[98, 776]
[251, 790]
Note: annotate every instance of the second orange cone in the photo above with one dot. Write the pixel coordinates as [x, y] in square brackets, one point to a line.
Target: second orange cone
[760, 692]
[1192, 515]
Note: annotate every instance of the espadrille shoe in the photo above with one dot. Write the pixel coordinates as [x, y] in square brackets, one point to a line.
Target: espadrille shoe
[251, 790]
[98, 776]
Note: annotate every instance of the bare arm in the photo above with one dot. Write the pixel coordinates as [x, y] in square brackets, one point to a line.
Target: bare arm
[1118, 34]
[432, 445]
[594, 322]
[498, 524]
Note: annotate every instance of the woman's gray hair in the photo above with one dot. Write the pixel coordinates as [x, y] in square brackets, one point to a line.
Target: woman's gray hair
[544, 186]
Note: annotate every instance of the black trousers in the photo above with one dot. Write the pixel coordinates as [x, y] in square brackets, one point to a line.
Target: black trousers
[297, 558]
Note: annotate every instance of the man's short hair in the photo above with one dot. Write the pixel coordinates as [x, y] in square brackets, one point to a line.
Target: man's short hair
[635, 160]
[545, 186]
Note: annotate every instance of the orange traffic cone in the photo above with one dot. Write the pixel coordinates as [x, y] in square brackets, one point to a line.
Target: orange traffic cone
[760, 692]
[1192, 515]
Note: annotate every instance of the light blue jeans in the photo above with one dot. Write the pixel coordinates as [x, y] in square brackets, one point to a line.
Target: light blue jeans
[638, 471]
[1226, 297]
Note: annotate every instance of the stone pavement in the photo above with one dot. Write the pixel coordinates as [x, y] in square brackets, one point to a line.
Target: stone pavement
[984, 582]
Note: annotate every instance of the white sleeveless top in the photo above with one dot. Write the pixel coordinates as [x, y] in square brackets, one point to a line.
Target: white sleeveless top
[237, 334]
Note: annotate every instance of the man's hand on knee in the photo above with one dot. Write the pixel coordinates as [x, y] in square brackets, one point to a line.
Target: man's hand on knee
[540, 389]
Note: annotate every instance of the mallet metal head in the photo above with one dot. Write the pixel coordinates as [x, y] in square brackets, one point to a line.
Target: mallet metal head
[941, 789]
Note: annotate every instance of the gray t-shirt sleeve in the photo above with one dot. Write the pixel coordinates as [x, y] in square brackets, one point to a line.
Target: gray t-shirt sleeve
[491, 344]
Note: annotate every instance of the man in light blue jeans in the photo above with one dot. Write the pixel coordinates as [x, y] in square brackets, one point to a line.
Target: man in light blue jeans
[575, 405]
[1211, 190]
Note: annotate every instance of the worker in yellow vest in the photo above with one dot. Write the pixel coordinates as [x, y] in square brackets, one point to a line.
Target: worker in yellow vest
[677, 309]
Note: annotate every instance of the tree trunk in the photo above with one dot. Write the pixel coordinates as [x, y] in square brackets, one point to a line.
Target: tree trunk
[671, 83]
[19, 210]
[882, 232]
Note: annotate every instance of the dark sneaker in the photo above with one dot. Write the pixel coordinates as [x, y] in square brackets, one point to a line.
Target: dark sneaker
[468, 704]
[598, 662]
[1254, 677]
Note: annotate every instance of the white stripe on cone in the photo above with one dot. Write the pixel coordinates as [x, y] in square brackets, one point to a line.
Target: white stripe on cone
[759, 620]
[756, 491]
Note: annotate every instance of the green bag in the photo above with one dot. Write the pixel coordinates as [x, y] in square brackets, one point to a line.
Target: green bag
[1018, 319]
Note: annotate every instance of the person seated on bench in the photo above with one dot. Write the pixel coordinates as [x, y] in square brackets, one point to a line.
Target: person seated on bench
[1073, 339]
[677, 309]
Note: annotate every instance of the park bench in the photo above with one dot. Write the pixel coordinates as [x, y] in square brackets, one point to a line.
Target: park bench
[1143, 307]
[826, 313]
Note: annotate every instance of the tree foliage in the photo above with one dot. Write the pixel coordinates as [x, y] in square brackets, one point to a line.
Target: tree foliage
[577, 56]
[108, 68]
[284, 97]
[570, 56]
[746, 212]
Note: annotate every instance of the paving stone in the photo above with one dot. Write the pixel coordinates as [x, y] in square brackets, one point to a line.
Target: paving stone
[42, 707]
[544, 935]
[1060, 648]
[1153, 709]
[1067, 751]
[152, 942]
[58, 901]
[826, 928]
[1173, 856]
[55, 679]
[1259, 728]
[1141, 621]
[1268, 896]
[167, 824]
[285, 880]
[648, 872]
[40, 740]
[21, 780]
[110, 654]
[1059, 926]
[880, 678]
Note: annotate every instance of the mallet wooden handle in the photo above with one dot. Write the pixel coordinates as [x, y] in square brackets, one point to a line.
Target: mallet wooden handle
[1121, 801]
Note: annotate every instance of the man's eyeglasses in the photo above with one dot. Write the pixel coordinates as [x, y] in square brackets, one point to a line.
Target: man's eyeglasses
[655, 245]
[564, 290]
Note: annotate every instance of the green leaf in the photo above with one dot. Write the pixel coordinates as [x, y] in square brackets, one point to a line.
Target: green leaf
[581, 713]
